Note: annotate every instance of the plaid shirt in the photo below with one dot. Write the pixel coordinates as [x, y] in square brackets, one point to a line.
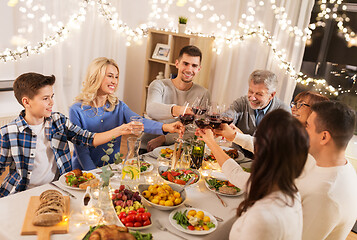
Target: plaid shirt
[18, 146]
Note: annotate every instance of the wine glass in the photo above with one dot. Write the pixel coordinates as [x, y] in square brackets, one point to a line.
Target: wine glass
[214, 116]
[225, 118]
[199, 106]
[186, 118]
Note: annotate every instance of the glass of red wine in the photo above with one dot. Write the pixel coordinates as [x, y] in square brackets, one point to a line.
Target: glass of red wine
[186, 119]
[225, 118]
[199, 106]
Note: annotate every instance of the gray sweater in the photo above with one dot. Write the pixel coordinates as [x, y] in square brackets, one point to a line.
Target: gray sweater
[162, 95]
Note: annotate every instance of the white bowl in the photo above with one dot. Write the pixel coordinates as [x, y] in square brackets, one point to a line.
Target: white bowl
[162, 169]
[175, 187]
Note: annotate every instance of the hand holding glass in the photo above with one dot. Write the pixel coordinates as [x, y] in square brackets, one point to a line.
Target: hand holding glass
[137, 125]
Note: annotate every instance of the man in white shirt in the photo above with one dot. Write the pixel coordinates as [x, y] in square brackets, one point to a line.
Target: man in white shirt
[328, 188]
[328, 183]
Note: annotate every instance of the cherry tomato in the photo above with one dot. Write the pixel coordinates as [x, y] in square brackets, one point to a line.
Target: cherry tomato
[144, 217]
[138, 217]
[137, 224]
[123, 220]
[132, 212]
[179, 181]
[129, 224]
[170, 177]
[190, 227]
[140, 210]
[116, 191]
[122, 215]
[147, 222]
[230, 184]
[114, 197]
[130, 218]
[173, 173]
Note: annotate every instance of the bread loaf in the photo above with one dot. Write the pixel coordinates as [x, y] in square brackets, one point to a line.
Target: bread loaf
[51, 209]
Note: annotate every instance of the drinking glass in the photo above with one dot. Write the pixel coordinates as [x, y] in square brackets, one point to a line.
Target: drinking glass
[137, 124]
[131, 167]
[197, 154]
[214, 116]
[225, 118]
[199, 106]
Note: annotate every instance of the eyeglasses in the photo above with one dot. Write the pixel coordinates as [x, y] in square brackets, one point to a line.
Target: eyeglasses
[298, 105]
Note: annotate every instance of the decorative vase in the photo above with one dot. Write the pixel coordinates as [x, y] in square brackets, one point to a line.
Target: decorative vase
[104, 199]
[181, 28]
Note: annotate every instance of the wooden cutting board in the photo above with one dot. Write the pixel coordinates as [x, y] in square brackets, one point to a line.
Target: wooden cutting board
[43, 233]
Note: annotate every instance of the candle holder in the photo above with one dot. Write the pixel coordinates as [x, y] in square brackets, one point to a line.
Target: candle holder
[92, 215]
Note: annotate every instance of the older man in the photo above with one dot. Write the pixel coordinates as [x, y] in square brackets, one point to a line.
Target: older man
[248, 111]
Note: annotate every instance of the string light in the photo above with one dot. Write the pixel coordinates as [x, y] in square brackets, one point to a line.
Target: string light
[60, 34]
[329, 10]
[230, 38]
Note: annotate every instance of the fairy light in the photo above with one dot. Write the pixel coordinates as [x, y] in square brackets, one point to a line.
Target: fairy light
[230, 38]
[60, 34]
[329, 10]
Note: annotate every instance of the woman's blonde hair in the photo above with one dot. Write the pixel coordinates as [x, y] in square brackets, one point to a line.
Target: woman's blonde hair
[91, 84]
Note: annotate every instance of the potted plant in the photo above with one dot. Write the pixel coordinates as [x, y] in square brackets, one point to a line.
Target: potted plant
[182, 24]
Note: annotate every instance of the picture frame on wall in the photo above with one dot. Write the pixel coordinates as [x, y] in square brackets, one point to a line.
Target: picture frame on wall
[161, 52]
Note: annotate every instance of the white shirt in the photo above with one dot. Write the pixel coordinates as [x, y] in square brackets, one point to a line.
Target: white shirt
[273, 217]
[329, 200]
[44, 167]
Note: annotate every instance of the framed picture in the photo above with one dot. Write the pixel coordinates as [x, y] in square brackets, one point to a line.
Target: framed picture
[161, 52]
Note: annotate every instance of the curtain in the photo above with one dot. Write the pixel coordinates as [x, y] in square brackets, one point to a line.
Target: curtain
[69, 59]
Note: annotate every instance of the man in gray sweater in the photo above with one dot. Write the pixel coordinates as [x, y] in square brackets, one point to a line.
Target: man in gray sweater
[248, 111]
[166, 98]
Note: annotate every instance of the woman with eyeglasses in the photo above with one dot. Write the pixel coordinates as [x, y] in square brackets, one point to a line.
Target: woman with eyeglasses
[300, 107]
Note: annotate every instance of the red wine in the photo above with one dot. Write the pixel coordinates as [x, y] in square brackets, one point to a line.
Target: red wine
[187, 118]
[214, 116]
[227, 120]
[199, 111]
[202, 123]
[215, 123]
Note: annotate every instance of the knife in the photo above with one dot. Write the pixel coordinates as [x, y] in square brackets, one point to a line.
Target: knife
[65, 191]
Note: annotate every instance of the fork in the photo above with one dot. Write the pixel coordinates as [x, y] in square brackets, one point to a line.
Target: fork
[217, 218]
[162, 228]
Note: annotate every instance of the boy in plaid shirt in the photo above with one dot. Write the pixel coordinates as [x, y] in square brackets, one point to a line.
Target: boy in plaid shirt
[35, 145]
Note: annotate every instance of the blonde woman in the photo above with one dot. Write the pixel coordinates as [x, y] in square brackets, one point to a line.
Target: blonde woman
[97, 108]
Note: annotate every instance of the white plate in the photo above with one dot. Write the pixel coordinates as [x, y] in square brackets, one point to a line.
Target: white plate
[240, 154]
[223, 194]
[192, 232]
[62, 180]
[157, 151]
[149, 169]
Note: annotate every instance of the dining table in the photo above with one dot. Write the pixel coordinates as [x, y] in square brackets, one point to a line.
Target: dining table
[13, 209]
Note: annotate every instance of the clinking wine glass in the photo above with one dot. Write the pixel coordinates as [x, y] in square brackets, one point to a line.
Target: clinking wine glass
[199, 106]
[185, 118]
[225, 118]
[214, 116]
